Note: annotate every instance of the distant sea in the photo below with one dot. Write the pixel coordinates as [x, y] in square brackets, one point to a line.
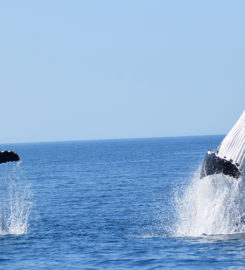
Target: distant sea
[119, 204]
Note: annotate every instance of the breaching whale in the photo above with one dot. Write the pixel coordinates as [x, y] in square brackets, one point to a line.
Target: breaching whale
[6, 156]
[230, 155]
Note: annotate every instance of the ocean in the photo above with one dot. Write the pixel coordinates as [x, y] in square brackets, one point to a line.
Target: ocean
[119, 204]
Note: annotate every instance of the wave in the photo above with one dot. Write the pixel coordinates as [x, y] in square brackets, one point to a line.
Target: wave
[15, 201]
[209, 206]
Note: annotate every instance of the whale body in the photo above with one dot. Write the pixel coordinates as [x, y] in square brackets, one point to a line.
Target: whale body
[230, 155]
[7, 156]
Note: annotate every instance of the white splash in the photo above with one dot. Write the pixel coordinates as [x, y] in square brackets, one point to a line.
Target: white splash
[15, 203]
[211, 205]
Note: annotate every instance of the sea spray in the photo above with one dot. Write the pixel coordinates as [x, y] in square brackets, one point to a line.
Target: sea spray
[212, 205]
[15, 201]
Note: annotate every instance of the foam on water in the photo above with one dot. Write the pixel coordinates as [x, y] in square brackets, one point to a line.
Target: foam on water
[15, 202]
[212, 205]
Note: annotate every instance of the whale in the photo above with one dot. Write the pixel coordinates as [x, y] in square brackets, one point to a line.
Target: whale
[229, 157]
[8, 156]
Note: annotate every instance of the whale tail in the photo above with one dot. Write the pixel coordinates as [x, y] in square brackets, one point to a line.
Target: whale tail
[7, 156]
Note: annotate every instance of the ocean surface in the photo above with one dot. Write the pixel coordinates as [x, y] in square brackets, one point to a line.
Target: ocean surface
[119, 204]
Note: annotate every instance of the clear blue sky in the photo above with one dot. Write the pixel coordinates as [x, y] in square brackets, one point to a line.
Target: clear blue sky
[74, 70]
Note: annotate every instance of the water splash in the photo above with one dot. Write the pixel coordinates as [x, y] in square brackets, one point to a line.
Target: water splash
[15, 201]
[211, 205]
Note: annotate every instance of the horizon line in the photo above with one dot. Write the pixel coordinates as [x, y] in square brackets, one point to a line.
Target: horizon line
[109, 139]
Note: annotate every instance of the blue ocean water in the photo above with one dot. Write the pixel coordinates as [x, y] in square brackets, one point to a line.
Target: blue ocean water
[119, 204]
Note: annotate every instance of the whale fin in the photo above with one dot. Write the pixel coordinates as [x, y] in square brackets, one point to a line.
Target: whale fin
[232, 148]
[6, 156]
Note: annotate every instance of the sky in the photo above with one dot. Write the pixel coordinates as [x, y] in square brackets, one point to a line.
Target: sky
[85, 70]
